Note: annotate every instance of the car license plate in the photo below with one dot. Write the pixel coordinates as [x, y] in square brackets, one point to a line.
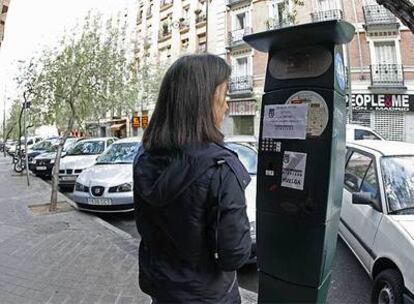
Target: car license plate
[41, 168]
[100, 201]
[68, 178]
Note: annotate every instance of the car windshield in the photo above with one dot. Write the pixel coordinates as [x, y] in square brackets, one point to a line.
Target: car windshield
[247, 156]
[69, 143]
[365, 134]
[87, 148]
[119, 153]
[45, 145]
[398, 173]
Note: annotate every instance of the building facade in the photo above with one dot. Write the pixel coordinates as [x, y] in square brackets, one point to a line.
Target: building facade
[380, 61]
[4, 7]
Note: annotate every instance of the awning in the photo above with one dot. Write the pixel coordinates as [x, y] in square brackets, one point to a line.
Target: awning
[117, 127]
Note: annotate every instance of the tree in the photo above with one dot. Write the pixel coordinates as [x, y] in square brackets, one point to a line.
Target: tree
[403, 9]
[87, 76]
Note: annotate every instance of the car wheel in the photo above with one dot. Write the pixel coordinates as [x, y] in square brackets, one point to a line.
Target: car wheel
[388, 287]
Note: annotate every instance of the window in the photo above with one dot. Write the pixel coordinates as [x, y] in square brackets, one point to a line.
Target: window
[365, 134]
[240, 21]
[385, 52]
[370, 185]
[243, 125]
[355, 171]
[280, 11]
[241, 67]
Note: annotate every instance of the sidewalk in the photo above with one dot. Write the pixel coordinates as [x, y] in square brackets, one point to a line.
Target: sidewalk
[69, 257]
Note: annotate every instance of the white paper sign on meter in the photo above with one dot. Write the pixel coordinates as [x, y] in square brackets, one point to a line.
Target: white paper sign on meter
[318, 113]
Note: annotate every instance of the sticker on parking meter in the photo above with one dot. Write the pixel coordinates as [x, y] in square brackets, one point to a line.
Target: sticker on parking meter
[293, 172]
[318, 114]
[340, 71]
[285, 121]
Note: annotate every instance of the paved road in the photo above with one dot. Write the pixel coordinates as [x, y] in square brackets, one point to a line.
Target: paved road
[349, 284]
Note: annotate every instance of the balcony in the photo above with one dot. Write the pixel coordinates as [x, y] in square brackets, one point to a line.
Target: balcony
[241, 85]
[236, 37]
[201, 48]
[184, 25]
[333, 14]
[387, 75]
[201, 18]
[164, 34]
[378, 16]
[273, 24]
[233, 2]
[164, 4]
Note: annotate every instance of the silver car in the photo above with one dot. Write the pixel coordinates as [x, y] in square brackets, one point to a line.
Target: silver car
[107, 186]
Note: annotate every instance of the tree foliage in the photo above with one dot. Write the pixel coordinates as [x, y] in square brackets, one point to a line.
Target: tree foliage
[87, 76]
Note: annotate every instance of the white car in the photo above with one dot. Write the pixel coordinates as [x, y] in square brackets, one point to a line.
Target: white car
[107, 186]
[81, 156]
[377, 217]
[356, 132]
[248, 156]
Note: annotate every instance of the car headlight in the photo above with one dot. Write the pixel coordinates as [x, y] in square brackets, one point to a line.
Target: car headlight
[127, 187]
[52, 161]
[33, 162]
[81, 188]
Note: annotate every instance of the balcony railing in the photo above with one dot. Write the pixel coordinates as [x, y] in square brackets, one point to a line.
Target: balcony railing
[378, 15]
[201, 48]
[241, 84]
[233, 2]
[387, 75]
[236, 37]
[164, 34]
[333, 14]
[273, 24]
[164, 3]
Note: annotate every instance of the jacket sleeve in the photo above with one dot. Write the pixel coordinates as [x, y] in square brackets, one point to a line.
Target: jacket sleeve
[233, 242]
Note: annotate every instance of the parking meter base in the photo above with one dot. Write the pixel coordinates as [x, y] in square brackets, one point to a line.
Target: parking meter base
[273, 290]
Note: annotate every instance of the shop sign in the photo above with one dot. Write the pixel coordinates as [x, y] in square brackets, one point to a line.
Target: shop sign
[382, 102]
[136, 122]
[144, 121]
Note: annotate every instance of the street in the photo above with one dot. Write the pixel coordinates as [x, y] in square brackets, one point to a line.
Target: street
[349, 282]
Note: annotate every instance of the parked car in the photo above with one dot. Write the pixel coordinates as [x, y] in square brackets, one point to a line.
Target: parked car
[107, 186]
[248, 140]
[377, 217]
[81, 156]
[356, 132]
[44, 146]
[31, 141]
[248, 156]
[42, 165]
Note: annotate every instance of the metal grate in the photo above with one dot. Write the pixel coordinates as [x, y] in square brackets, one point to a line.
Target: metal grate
[362, 118]
[241, 84]
[378, 15]
[390, 125]
[387, 74]
[334, 14]
[236, 37]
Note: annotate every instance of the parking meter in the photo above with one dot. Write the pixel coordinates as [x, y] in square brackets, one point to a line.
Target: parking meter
[301, 159]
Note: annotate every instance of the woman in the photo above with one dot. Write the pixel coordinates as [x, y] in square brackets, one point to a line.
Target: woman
[189, 191]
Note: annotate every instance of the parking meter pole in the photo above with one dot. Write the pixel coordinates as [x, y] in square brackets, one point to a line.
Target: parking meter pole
[301, 159]
[25, 144]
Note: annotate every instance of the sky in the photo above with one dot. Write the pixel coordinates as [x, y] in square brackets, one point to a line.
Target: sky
[33, 25]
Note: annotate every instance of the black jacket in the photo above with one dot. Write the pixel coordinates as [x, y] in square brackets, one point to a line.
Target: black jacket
[191, 215]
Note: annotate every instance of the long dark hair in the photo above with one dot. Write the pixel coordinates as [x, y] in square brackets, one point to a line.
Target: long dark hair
[184, 114]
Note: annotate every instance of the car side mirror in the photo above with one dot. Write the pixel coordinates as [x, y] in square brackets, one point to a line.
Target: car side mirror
[362, 198]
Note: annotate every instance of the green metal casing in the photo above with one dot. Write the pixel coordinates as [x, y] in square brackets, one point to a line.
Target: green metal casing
[297, 228]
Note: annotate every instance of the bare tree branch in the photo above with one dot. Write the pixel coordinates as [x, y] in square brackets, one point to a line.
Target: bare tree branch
[403, 9]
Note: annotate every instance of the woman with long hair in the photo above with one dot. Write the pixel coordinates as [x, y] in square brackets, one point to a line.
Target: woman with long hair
[189, 198]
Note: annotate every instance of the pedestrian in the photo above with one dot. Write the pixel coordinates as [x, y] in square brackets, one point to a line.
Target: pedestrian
[190, 207]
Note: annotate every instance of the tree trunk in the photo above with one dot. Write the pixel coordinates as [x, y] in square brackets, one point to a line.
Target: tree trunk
[56, 167]
[403, 9]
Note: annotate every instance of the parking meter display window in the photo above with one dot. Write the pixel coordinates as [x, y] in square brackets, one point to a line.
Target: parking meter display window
[300, 63]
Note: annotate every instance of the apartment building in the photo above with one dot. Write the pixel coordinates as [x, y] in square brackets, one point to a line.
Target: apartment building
[4, 7]
[380, 61]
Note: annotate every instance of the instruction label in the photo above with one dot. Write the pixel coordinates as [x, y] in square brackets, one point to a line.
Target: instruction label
[293, 172]
[285, 121]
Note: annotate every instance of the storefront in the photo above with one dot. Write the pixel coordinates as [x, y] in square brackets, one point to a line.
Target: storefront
[391, 115]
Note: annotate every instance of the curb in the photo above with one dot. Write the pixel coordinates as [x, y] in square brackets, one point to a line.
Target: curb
[247, 296]
[107, 225]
